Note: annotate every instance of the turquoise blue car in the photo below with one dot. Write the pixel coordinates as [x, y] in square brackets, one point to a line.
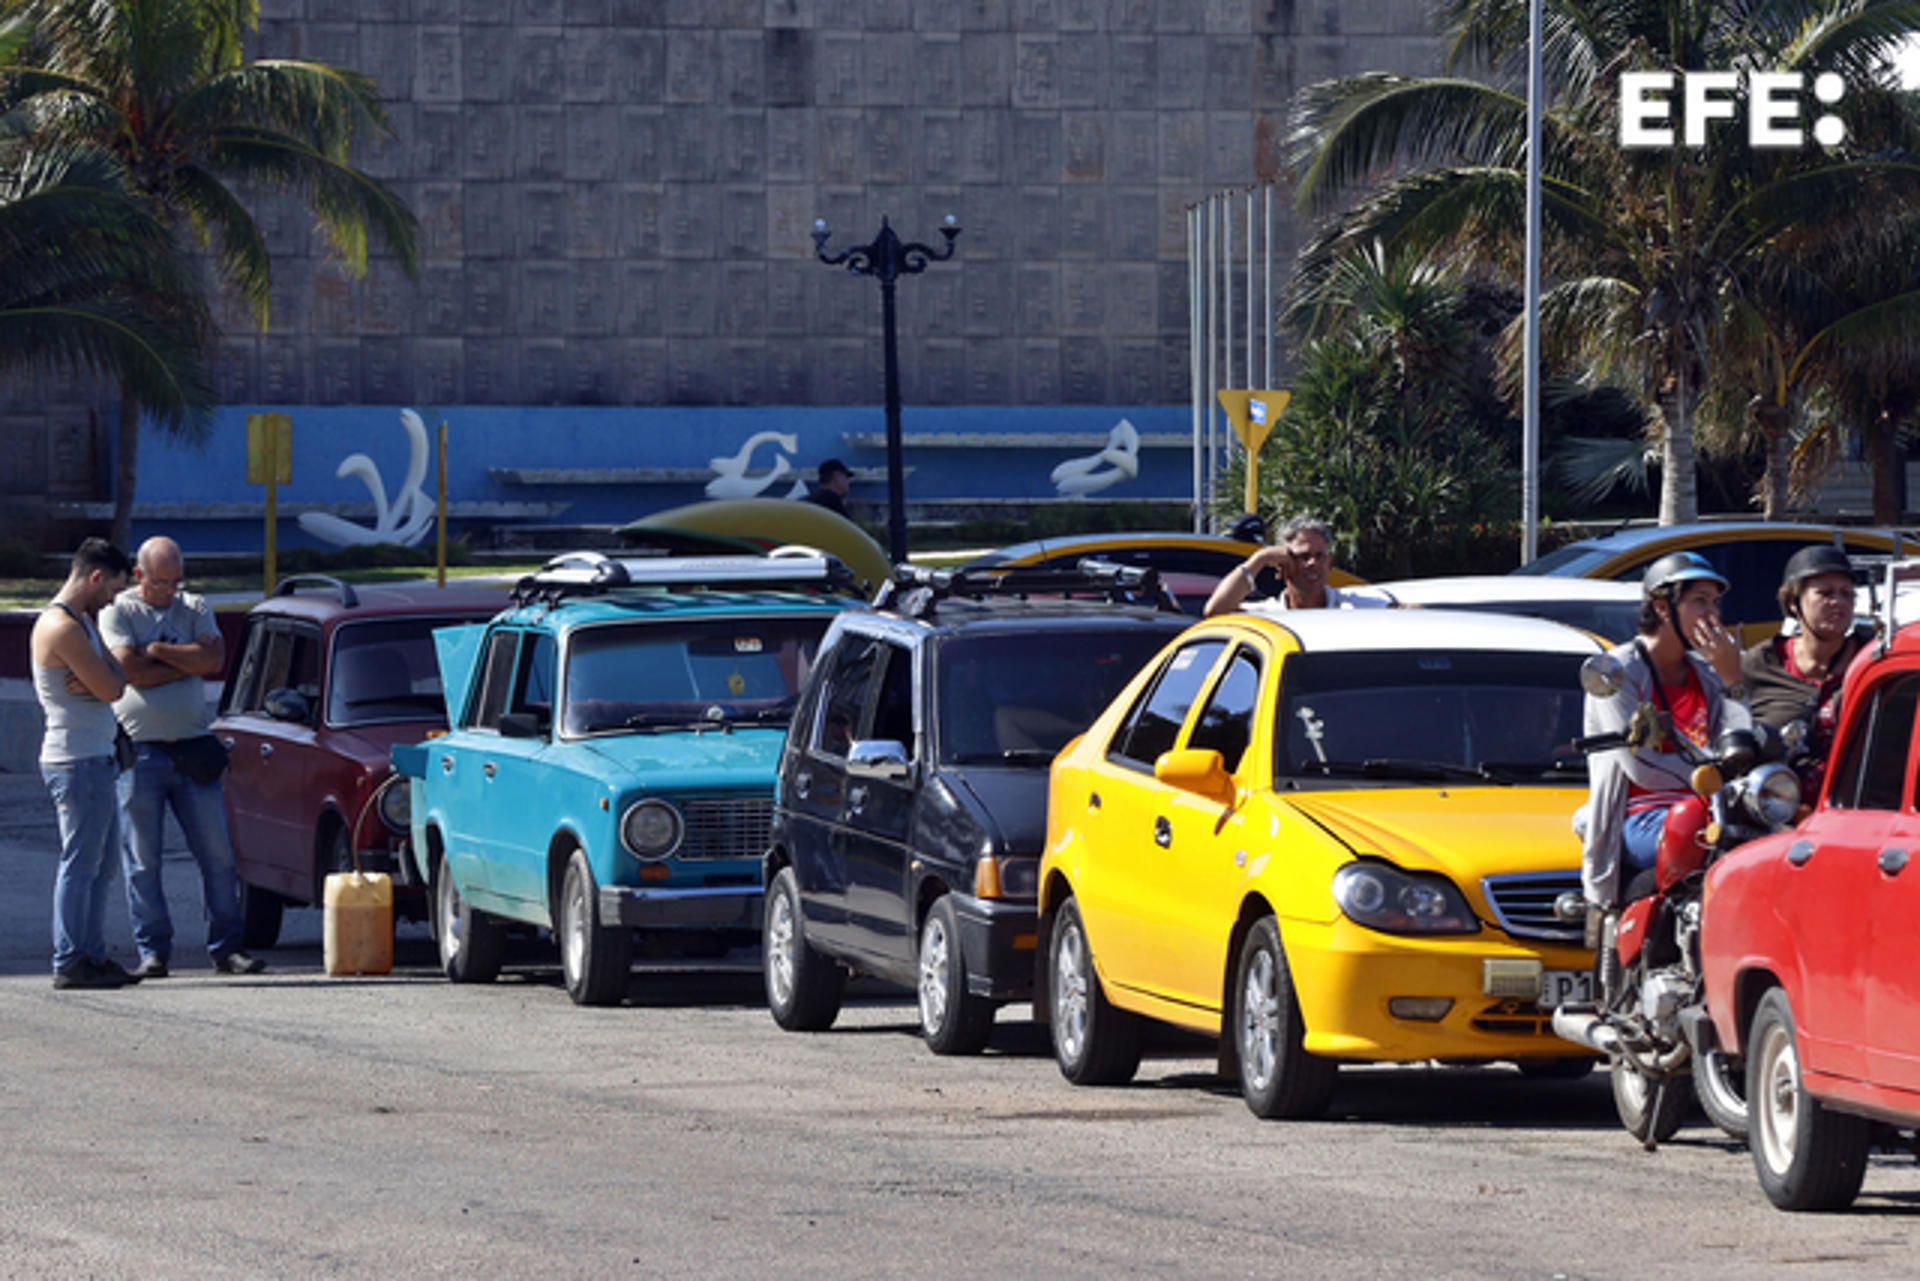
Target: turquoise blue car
[608, 775]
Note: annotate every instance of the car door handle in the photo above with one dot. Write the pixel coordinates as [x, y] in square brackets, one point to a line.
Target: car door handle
[266, 751]
[1162, 832]
[1799, 852]
[446, 764]
[488, 769]
[227, 742]
[1093, 800]
[857, 798]
[1893, 860]
[802, 784]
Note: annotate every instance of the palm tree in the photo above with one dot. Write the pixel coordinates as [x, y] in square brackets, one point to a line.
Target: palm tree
[166, 87]
[1646, 247]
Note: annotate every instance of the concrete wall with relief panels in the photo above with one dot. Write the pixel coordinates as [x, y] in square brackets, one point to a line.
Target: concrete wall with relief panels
[615, 197]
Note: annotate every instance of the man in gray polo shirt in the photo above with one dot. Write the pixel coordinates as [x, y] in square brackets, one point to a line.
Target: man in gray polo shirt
[168, 644]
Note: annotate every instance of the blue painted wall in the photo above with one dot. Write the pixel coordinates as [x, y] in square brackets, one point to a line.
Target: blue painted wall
[483, 442]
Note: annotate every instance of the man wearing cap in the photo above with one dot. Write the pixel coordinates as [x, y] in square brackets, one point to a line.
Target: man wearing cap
[1797, 677]
[836, 478]
[1685, 664]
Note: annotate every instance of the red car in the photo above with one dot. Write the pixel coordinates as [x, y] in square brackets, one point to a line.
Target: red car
[1807, 945]
[326, 680]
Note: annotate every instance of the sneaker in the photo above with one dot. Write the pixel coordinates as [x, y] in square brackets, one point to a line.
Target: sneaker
[84, 973]
[151, 967]
[107, 965]
[239, 963]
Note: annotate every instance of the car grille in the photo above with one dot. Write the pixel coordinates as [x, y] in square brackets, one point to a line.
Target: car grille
[726, 828]
[1523, 905]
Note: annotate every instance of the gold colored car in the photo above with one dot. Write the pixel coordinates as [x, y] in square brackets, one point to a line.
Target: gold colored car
[1323, 835]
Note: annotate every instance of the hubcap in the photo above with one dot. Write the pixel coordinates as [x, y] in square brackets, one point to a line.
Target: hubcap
[577, 926]
[1070, 992]
[1776, 1113]
[1260, 1021]
[933, 975]
[449, 899]
[780, 949]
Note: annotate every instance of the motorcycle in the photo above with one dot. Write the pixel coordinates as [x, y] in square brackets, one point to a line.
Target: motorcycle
[1649, 1017]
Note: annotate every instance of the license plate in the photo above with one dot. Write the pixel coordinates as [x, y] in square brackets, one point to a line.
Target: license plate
[1565, 987]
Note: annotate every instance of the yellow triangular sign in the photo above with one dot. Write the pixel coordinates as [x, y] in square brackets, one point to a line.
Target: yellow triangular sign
[1253, 414]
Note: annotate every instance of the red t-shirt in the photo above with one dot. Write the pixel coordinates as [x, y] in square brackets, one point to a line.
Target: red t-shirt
[1688, 704]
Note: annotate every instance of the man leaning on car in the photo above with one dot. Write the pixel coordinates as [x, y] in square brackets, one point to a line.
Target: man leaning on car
[168, 643]
[1292, 573]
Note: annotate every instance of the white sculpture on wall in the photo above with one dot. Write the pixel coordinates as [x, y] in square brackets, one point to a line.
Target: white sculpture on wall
[404, 520]
[731, 479]
[1120, 460]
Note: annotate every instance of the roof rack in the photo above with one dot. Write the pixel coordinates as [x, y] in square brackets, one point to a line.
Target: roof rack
[291, 585]
[1897, 573]
[595, 574]
[916, 591]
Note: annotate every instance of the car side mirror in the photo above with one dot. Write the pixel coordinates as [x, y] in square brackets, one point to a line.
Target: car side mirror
[520, 725]
[290, 705]
[878, 758]
[1203, 772]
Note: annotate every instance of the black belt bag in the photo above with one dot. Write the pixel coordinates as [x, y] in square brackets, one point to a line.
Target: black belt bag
[203, 760]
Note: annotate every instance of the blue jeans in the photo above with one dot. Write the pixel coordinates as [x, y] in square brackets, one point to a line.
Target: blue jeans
[147, 791]
[89, 813]
[1640, 837]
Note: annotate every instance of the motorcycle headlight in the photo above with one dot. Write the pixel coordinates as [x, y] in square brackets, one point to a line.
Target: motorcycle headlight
[1773, 794]
[396, 806]
[1387, 899]
[651, 829]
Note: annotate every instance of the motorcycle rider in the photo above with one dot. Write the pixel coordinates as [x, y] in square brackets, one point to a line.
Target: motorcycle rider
[1687, 665]
[1797, 677]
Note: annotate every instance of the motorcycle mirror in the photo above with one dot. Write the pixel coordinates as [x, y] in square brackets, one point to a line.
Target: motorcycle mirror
[1602, 676]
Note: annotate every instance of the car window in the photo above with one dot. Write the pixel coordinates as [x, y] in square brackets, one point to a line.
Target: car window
[1154, 725]
[291, 661]
[384, 670]
[893, 710]
[242, 692]
[1226, 722]
[1426, 713]
[1019, 697]
[533, 692]
[1873, 765]
[643, 675]
[856, 661]
[496, 680]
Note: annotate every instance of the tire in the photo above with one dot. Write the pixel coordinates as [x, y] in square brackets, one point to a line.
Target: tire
[1094, 1043]
[1807, 1157]
[260, 912]
[1574, 1069]
[804, 988]
[952, 1019]
[336, 856]
[1278, 1078]
[1720, 1083]
[595, 959]
[1650, 1115]
[472, 943]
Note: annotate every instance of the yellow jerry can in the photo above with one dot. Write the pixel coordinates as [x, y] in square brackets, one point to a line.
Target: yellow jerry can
[359, 923]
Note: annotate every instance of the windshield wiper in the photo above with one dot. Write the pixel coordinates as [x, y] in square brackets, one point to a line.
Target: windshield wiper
[1395, 767]
[1010, 756]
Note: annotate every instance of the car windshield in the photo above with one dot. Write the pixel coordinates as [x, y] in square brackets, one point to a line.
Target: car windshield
[1431, 715]
[652, 675]
[1018, 699]
[385, 670]
[1615, 621]
[1553, 560]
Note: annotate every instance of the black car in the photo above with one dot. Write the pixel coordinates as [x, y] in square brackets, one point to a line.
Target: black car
[911, 804]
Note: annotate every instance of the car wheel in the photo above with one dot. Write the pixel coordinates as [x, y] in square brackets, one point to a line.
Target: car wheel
[260, 912]
[1650, 1111]
[1094, 1043]
[1808, 1158]
[952, 1019]
[1720, 1082]
[1573, 1069]
[804, 988]
[472, 943]
[596, 959]
[336, 857]
[1277, 1076]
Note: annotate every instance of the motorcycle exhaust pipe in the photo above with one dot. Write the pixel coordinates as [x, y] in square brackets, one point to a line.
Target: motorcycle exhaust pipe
[1589, 1030]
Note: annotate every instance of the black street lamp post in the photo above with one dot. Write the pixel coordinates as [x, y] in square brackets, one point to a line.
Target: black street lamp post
[886, 260]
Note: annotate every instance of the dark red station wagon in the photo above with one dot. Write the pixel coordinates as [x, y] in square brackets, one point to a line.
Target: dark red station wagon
[1808, 947]
[327, 678]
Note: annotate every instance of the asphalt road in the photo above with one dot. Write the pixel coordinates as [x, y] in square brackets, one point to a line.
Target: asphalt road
[293, 1125]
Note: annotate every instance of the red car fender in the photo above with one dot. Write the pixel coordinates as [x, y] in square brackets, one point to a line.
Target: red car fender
[1741, 932]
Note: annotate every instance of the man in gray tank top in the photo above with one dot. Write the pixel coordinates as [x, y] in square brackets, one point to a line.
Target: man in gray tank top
[76, 681]
[167, 642]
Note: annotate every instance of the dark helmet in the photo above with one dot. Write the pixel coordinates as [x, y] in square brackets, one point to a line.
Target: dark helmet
[1250, 528]
[1675, 569]
[1810, 562]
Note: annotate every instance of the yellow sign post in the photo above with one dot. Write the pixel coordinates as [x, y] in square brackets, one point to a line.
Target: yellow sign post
[1253, 414]
[270, 463]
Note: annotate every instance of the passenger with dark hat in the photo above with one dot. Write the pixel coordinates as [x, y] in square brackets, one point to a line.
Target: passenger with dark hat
[836, 478]
[1796, 675]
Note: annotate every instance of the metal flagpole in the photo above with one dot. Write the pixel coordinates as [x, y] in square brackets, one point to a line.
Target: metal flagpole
[1530, 415]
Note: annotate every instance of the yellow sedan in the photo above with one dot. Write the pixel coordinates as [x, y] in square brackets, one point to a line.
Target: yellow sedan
[1322, 835]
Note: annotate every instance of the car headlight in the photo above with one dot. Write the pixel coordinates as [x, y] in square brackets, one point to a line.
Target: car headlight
[1773, 794]
[396, 806]
[651, 829]
[1385, 898]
